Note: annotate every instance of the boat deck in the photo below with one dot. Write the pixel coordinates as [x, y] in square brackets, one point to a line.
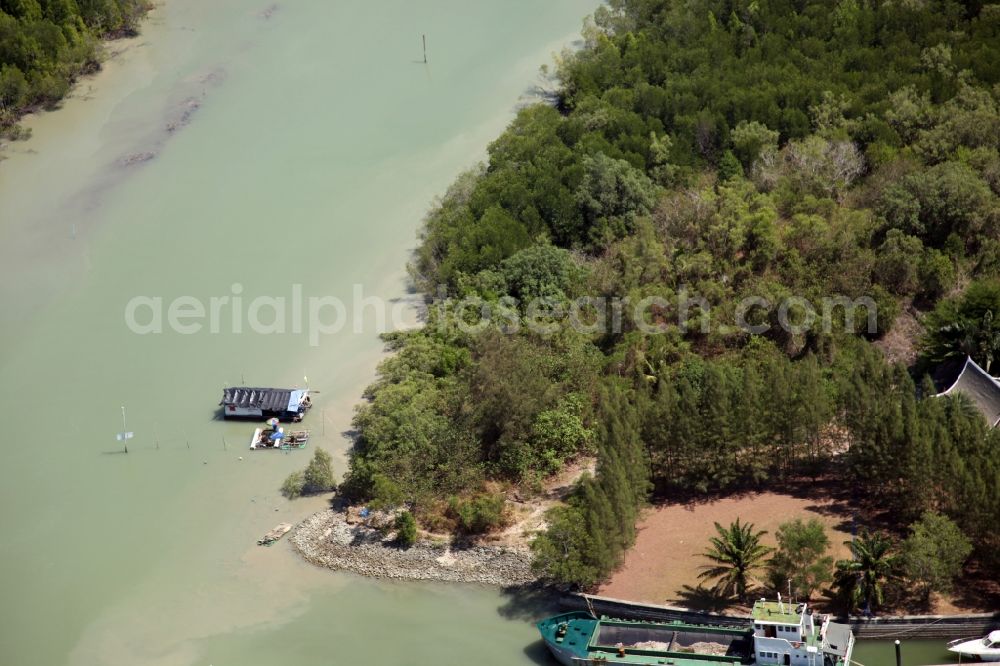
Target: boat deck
[582, 639]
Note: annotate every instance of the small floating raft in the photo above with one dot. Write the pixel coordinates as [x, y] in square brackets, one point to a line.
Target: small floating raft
[274, 437]
[275, 534]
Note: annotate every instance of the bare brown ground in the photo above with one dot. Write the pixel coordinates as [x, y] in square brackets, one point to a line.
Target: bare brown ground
[527, 513]
[900, 344]
[663, 566]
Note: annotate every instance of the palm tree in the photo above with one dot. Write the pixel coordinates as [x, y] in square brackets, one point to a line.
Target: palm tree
[735, 554]
[862, 579]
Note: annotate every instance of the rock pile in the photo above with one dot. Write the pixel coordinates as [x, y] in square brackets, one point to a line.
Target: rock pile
[328, 540]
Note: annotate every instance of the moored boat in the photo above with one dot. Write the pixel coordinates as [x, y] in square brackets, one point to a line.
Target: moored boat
[984, 649]
[241, 402]
[777, 634]
[576, 639]
[273, 437]
[273, 535]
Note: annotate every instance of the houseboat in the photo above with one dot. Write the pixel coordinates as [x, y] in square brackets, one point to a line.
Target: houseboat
[242, 402]
[778, 634]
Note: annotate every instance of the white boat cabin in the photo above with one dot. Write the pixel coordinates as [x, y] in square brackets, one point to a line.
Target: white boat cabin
[787, 634]
[984, 649]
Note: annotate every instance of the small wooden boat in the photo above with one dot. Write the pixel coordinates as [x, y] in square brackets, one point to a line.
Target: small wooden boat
[275, 438]
[275, 534]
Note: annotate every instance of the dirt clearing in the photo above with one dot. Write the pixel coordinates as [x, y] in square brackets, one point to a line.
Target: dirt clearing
[663, 566]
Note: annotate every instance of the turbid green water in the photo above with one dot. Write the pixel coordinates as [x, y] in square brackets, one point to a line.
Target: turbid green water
[914, 652]
[299, 145]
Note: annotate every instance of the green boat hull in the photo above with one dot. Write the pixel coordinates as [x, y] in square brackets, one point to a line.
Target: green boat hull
[577, 639]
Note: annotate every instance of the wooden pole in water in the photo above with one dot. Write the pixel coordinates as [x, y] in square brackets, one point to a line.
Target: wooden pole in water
[124, 430]
[425, 49]
[899, 656]
[156, 436]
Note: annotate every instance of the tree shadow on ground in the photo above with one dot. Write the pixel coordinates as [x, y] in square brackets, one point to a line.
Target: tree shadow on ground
[977, 589]
[705, 599]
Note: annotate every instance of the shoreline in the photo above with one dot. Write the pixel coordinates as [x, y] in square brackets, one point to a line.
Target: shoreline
[327, 540]
[13, 128]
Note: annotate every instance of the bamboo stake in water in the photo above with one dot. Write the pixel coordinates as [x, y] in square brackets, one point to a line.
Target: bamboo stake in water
[425, 49]
[124, 430]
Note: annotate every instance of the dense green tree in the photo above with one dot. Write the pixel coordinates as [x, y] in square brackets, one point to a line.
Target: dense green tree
[729, 166]
[560, 433]
[318, 475]
[801, 558]
[966, 326]
[406, 529]
[495, 236]
[751, 139]
[944, 199]
[561, 552]
[612, 194]
[293, 485]
[934, 552]
[541, 271]
[604, 507]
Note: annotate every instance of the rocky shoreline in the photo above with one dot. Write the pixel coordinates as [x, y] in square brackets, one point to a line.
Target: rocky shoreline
[327, 539]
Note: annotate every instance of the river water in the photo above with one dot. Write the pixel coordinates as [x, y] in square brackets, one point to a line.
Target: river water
[274, 148]
[235, 149]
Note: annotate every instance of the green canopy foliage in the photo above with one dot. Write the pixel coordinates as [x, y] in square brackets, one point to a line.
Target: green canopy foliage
[318, 475]
[934, 552]
[966, 326]
[801, 558]
[836, 153]
[406, 529]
